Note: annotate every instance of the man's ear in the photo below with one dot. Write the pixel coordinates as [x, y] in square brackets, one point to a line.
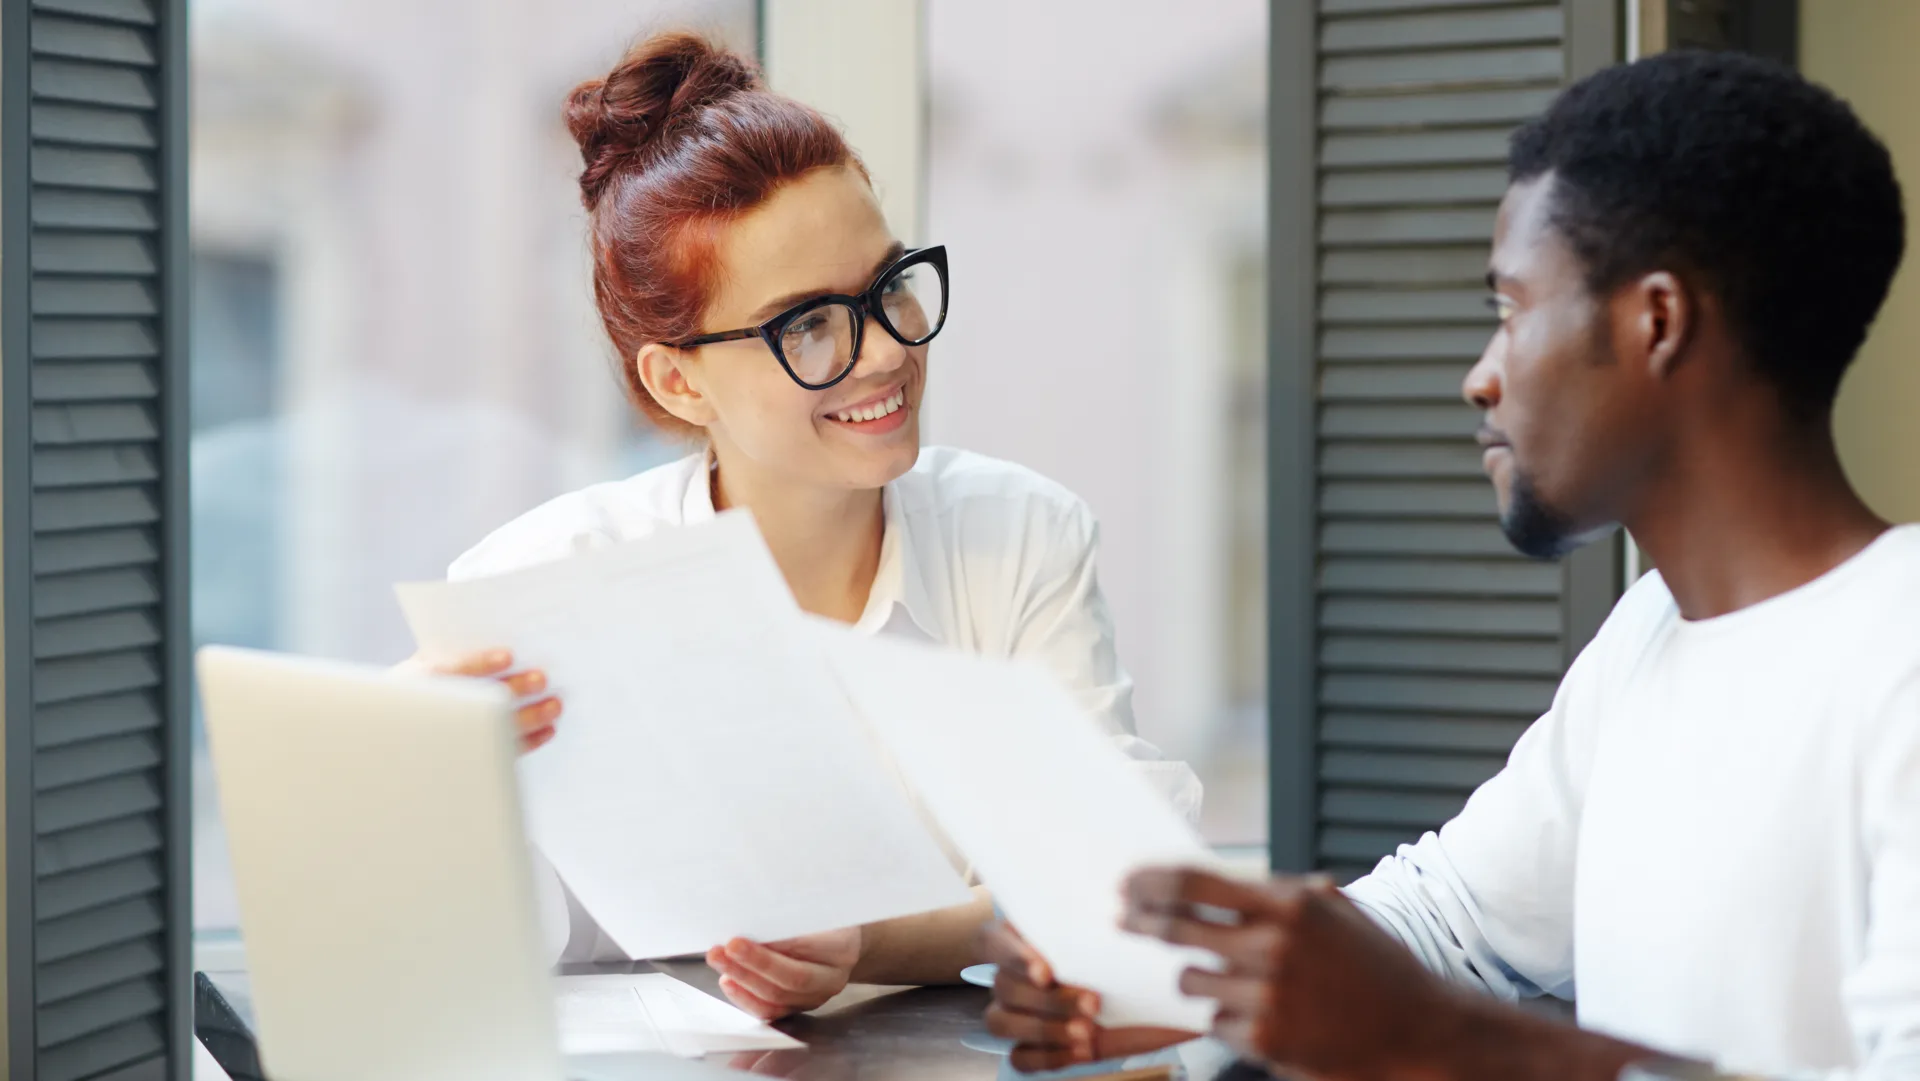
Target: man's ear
[672, 377]
[1662, 319]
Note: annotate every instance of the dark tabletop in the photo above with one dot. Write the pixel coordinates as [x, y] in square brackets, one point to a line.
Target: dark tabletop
[886, 1033]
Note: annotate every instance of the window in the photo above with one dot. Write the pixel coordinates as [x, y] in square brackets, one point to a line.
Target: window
[395, 348]
[1100, 179]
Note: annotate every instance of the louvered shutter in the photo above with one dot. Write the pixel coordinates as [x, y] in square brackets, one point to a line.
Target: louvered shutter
[1428, 644]
[94, 538]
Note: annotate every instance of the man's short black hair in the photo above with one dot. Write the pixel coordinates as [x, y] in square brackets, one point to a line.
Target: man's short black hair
[1761, 187]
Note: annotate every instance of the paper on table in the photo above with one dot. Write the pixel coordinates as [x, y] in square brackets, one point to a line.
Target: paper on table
[707, 779]
[1051, 813]
[654, 1012]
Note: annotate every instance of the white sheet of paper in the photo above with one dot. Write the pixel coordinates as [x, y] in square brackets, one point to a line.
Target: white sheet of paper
[1051, 813]
[708, 779]
[654, 1012]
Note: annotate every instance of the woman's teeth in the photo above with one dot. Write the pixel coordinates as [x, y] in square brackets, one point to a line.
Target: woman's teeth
[874, 411]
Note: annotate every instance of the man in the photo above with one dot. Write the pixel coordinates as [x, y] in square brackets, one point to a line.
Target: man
[1713, 836]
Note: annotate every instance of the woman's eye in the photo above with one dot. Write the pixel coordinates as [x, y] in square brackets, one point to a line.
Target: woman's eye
[806, 324]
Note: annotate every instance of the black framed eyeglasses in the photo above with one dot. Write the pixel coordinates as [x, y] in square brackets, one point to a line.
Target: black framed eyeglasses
[817, 340]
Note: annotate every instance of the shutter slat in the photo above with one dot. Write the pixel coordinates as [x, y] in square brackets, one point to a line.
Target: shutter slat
[93, 339]
[92, 84]
[1415, 771]
[83, 253]
[95, 845]
[103, 170]
[64, 208]
[1428, 615]
[1410, 188]
[101, 1010]
[1435, 226]
[95, 634]
[1360, 846]
[1424, 499]
[75, 467]
[1463, 344]
[103, 675]
[91, 297]
[63, 510]
[1446, 109]
[1403, 733]
[86, 125]
[1479, 577]
[1464, 265]
[110, 883]
[65, 553]
[1430, 382]
[1354, 7]
[1386, 807]
[66, 424]
[1395, 32]
[76, 40]
[100, 968]
[134, 1051]
[81, 762]
[1387, 306]
[1437, 693]
[1477, 146]
[94, 591]
[1457, 459]
[1514, 64]
[1414, 539]
[70, 936]
[1398, 421]
[84, 805]
[95, 718]
[1372, 651]
[136, 12]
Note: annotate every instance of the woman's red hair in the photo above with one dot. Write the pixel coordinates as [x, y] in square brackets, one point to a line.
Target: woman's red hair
[681, 138]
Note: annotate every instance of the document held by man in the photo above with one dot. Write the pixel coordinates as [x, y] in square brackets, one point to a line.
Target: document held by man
[707, 779]
[1051, 813]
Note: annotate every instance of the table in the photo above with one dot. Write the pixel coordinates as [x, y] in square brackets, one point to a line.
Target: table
[870, 1033]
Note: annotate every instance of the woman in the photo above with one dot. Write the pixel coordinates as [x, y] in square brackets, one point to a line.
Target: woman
[762, 310]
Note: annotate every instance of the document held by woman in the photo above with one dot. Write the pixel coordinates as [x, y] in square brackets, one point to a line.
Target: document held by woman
[719, 774]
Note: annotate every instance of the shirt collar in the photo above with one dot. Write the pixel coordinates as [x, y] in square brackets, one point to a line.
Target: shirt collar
[896, 584]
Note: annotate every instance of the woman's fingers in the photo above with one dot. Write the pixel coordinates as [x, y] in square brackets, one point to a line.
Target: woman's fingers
[784, 999]
[489, 662]
[750, 1002]
[775, 967]
[536, 716]
[526, 684]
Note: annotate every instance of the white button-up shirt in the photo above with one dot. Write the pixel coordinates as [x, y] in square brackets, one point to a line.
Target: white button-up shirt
[978, 554]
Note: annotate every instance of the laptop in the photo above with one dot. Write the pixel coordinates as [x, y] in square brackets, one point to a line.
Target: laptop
[381, 867]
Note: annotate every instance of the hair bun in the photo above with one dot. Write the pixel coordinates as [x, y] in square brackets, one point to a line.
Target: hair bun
[655, 87]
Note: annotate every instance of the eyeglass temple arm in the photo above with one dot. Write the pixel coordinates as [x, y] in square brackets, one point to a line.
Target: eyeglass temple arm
[710, 339]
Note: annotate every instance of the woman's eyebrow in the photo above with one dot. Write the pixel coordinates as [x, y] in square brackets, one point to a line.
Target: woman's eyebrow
[781, 303]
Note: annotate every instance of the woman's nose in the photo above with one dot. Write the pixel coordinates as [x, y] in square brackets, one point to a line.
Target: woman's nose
[879, 351]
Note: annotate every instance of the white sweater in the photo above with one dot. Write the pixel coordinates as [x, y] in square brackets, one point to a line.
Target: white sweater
[1713, 836]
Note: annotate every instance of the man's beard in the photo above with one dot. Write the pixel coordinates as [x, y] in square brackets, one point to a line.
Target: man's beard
[1533, 527]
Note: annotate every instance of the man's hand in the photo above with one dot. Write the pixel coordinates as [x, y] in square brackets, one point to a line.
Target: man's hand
[1307, 981]
[779, 978]
[1052, 1025]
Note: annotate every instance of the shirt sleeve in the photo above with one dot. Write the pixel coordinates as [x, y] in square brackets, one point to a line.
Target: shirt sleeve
[1487, 901]
[1064, 624]
[1882, 992]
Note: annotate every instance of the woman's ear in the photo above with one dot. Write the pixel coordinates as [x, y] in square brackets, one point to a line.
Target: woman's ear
[672, 377]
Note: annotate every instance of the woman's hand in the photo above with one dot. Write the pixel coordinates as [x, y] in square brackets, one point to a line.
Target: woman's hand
[779, 978]
[1052, 1025]
[538, 711]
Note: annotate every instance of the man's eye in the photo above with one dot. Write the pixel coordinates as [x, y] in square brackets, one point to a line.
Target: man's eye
[1501, 307]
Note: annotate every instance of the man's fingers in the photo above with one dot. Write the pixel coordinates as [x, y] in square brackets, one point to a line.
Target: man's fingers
[490, 662]
[1178, 889]
[1013, 990]
[1121, 1042]
[1185, 930]
[1027, 1028]
[1003, 946]
[1038, 1059]
[1235, 1030]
